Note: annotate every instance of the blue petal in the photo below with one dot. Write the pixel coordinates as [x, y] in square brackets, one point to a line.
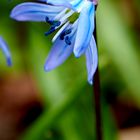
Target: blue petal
[60, 51]
[6, 51]
[30, 11]
[91, 60]
[77, 4]
[85, 29]
[64, 3]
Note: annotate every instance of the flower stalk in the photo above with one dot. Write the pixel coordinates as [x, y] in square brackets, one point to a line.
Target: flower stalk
[96, 92]
[97, 96]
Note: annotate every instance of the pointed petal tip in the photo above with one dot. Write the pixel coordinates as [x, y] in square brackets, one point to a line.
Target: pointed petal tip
[76, 53]
[13, 13]
[14, 16]
[9, 61]
[46, 68]
[90, 81]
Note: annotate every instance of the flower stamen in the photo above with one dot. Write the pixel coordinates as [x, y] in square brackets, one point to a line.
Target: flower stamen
[53, 24]
[51, 30]
[66, 32]
[67, 40]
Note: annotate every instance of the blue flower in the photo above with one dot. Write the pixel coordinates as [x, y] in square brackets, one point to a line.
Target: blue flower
[75, 21]
[6, 51]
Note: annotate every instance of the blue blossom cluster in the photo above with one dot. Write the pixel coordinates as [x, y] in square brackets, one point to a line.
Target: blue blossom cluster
[74, 20]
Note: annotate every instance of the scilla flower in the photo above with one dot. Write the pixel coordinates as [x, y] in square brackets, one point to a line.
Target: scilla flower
[74, 20]
[6, 51]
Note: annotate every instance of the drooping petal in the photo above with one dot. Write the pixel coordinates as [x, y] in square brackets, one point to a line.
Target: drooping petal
[91, 60]
[64, 3]
[6, 51]
[85, 29]
[31, 11]
[60, 51]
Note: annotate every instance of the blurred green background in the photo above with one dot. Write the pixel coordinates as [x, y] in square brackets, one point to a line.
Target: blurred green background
[59, 105]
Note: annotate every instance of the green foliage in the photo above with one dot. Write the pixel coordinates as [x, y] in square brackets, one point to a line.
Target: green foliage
[117, 40]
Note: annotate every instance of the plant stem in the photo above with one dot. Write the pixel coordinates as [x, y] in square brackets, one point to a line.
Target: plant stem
[96, 94]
